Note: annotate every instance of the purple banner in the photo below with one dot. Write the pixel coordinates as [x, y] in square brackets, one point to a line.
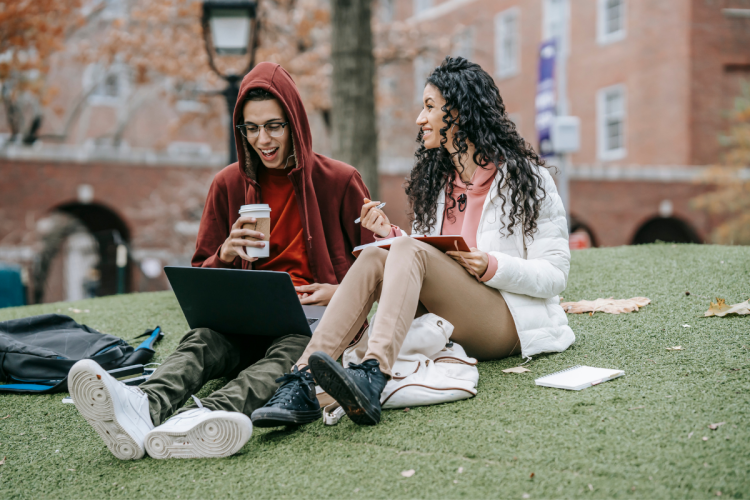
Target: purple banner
[546, 100]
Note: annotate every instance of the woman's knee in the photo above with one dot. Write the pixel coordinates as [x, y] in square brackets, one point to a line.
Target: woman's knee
[371, 257]
[406, 245]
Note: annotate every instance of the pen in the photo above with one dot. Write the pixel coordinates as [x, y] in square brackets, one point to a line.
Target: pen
[378, 207]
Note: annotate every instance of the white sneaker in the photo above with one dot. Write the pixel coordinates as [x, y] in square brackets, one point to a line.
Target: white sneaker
[117, 412]
[200, 433]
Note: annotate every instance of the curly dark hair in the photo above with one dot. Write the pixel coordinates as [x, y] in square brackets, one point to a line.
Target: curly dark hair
[472, 95]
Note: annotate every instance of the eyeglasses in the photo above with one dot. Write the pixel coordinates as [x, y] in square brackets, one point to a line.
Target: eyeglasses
[251, 131]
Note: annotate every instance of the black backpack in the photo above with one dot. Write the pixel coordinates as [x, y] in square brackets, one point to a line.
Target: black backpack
[36, 353]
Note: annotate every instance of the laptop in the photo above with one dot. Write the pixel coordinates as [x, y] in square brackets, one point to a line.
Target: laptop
[242, 302]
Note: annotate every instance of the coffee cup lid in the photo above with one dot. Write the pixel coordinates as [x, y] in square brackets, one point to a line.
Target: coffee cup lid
[258, 207]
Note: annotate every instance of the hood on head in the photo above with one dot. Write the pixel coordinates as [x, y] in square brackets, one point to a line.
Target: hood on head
[274, 79]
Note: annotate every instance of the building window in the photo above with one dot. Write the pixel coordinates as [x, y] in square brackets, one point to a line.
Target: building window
[507, 46]
[611, 21]
[611, 111]
[387, 11]
[423, 66]
[554, 19]
[421, 6]
[463, 43]
[108, 86]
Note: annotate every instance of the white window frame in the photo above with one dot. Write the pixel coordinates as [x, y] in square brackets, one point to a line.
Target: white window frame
[423, 66]
[463, 43]
[503, 68]
[602, 121]
[421, 6]
[602, 37]
[95, 75]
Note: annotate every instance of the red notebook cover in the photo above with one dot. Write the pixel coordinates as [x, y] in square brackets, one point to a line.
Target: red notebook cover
[442, 243]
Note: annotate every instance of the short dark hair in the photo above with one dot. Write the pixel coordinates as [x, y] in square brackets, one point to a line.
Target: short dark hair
[259, 95]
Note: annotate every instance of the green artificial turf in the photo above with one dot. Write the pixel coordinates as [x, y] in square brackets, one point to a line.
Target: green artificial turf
[640, 436]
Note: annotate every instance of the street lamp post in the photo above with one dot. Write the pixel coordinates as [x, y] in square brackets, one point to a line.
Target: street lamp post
[230, 28]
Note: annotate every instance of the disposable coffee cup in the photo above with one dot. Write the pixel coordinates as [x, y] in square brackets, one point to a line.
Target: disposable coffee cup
[262, 214]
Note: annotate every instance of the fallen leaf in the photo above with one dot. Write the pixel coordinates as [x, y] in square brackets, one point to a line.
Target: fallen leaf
[406, 409]
[525, 495]
[686, 326]
[690, 435]
[705, 438]
[531, 476]
[591, 488]
[509, 432]
[516, 369]
[72, 309]
[71, 470]
[675, 348]
[6, 416]
[721, 309]
[2, 462]
[460, 470]
[718, 493]
[610, 305]
[455, 481]
[408, 473]
[713, 427]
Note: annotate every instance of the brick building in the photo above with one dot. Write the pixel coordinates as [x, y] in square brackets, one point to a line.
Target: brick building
[650, 81]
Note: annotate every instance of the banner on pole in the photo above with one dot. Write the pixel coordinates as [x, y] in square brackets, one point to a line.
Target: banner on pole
[546, 98]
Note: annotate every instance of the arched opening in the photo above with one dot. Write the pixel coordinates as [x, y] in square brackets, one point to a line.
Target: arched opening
[79, 253]
[576, 226]
[666, 229]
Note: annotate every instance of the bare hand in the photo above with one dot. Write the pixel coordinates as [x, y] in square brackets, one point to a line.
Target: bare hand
[235, 244]
[317, 294]
[375, 219]
[476, 260]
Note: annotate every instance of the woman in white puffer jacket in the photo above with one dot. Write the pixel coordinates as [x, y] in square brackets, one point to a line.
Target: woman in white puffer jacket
[476, 177]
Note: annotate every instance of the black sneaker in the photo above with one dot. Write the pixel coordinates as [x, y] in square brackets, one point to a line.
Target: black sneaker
[357, 388]
[294, 403]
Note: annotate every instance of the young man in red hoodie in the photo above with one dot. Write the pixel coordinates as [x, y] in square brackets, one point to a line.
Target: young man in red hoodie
[314, 201]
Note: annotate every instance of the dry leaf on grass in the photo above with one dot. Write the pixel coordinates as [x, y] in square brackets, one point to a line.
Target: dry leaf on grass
[705, 438]
[72, 309]
[516, 369]
[6, 416]
[2, 462]
[408, 473]
[460, 470]
[610, 305]
[713, 427]
[675, 348]
[721, 309]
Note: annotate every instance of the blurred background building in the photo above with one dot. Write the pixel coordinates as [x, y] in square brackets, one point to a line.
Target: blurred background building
[108, 143]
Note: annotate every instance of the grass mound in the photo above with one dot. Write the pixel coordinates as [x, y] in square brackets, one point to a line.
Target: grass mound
[644, 435]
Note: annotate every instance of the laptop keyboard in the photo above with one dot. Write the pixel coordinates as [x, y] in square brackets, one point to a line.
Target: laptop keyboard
[310, 321]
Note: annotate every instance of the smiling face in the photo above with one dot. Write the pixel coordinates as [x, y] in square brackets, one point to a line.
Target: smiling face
[430, 119]
[273, 151]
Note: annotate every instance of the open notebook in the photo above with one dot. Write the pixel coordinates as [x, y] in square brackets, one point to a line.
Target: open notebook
[578, 377]
[442, 242]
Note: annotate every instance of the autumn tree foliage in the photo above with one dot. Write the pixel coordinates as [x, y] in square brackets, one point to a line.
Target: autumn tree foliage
[731, 200]
[31, 31]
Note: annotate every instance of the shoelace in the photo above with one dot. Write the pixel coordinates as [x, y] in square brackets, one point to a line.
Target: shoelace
[360, 370]
[288, 386]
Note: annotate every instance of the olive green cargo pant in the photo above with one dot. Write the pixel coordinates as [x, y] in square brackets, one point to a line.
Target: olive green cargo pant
[252, 363]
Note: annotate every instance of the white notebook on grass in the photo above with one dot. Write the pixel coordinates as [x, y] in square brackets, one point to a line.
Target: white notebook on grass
[578, 377]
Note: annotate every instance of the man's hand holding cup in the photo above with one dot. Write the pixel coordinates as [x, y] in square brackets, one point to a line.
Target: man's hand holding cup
[235, 244]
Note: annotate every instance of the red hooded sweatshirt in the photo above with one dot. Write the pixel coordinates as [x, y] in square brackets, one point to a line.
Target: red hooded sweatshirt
[329, 193]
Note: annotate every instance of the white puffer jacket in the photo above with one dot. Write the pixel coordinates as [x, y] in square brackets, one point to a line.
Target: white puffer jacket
[531, 273]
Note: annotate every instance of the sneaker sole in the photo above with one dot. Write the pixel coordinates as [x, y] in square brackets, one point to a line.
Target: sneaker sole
[216, 437]
[273, 417]
[92, 399]
[332, 378]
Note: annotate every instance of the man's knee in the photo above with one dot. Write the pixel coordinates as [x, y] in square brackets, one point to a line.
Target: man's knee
[289, 346]
[202, 336]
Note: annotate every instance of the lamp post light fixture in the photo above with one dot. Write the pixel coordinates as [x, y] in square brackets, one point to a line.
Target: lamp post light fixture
[230, 29]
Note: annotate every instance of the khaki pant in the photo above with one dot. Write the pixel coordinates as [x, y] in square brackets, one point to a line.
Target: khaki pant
[408, 280]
